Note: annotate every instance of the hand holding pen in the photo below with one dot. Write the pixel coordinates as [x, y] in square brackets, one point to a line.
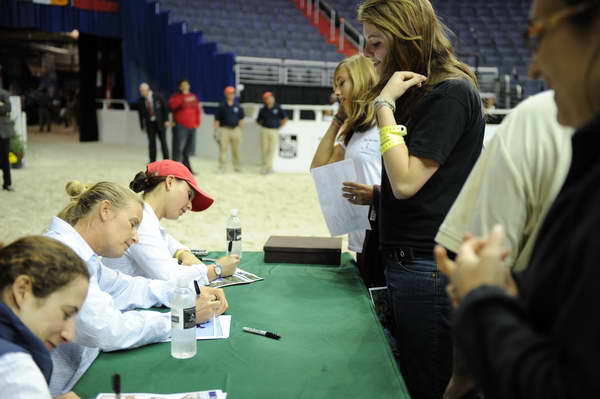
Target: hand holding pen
[208, 302]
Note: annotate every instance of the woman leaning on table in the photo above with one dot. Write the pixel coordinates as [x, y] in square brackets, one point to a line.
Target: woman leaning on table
[43, 284]
[541, 339]
[353, 134]
[169, 191]
[102, 220]
[431, 128]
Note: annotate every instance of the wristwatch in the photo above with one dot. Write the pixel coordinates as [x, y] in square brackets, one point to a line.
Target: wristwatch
[218, 270]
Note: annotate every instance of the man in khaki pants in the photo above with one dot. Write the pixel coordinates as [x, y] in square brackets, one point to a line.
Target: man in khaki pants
[229, 121]
[271, 117]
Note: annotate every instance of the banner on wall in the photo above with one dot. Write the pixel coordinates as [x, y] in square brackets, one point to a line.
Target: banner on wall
[49, 2]
[96, 5]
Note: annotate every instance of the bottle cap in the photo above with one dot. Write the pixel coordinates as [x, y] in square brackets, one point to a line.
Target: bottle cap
[183, 282]
[234, 212]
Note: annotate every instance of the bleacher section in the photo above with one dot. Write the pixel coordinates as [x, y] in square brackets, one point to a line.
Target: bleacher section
[488, 33]
[254, 28]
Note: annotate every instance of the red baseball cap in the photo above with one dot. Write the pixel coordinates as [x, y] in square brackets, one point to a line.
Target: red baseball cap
[267, 94]
[167, 167]
[229, 89]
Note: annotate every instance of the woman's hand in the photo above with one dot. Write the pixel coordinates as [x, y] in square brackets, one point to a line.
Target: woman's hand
[219, 294]
[399, 83]
[187, 258]
[68, 395]
[207, 306]
[229, 264]
[479, 262]
[341, 113]
[357, 194]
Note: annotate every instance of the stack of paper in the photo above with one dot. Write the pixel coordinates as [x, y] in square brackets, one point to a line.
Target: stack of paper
[214, 394]
[239, 277]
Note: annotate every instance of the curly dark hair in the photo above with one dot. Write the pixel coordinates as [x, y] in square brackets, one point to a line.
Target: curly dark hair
[49, 263]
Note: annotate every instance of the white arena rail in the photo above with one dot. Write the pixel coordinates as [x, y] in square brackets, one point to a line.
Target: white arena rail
[298, 139]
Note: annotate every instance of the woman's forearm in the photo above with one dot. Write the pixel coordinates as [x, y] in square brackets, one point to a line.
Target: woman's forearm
[326, 147]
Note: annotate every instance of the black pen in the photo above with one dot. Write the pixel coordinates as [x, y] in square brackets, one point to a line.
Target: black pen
[116, 385]
[261, 332]
[197, 287]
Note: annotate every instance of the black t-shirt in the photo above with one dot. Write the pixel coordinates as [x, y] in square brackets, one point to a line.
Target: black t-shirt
[448, 128]
[229, 115]
[271, 118]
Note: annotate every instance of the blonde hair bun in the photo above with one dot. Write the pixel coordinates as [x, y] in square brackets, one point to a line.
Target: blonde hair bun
[75, 189]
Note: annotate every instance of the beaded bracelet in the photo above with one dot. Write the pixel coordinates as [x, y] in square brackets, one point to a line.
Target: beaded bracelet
[380, 102]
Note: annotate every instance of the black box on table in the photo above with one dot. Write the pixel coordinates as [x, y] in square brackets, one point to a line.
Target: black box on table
[303, 250]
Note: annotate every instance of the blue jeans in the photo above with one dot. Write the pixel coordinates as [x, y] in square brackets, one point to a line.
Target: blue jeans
[421, 311]
[187, 137]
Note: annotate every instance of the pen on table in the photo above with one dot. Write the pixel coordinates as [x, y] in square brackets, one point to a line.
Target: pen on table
[260, 332]
[116, 385]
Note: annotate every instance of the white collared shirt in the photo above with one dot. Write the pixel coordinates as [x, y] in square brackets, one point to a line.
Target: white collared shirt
[152, 256]
[106, 320]
[21, 378]
[150, 98]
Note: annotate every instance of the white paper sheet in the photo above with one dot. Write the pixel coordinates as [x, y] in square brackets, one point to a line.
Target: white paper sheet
[214, 394]
[210, 330]
[341, 216]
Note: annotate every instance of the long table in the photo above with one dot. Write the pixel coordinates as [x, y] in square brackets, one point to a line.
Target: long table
[332, 344]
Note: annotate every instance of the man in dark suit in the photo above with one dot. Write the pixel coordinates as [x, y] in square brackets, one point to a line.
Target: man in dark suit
[154, 119]
[5, 133]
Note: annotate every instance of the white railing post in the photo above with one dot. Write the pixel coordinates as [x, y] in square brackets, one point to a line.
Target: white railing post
[282, 76]
[342, 33]
[332, 26]
[317, 10]
[308, 7]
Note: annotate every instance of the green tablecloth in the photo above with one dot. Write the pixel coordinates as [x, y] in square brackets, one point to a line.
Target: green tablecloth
[332, 345]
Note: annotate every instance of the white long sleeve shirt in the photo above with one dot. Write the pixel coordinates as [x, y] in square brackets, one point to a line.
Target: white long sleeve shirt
[21, 378]
[106, 321]
[152, 256]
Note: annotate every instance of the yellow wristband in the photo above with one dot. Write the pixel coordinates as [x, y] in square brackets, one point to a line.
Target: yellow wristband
[394, 129]
[390, 141]
[179, 252]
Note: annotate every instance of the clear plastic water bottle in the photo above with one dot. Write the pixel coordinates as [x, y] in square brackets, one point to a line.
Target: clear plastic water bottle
[234, 234]
[183, 320]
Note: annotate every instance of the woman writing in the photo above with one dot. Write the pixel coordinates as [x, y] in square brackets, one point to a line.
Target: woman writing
[102, 220]
[169, 190]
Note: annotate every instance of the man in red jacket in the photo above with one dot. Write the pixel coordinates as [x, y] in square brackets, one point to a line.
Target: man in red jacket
[186, 112]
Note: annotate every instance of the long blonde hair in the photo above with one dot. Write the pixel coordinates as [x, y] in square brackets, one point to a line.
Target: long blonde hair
[85, 197]
[418, 43]
[363, 77]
